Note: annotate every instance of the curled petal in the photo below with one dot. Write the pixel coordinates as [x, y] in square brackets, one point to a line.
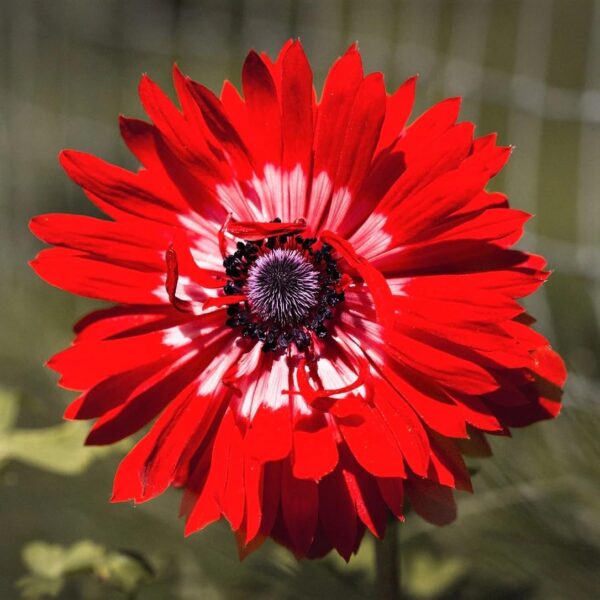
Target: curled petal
[253, 231]
[376, 282]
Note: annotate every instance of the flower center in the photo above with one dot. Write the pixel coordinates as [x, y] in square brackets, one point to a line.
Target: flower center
[282, 286]
[291, 286]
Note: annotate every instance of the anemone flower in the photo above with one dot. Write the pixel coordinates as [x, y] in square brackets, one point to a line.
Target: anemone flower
[315, 304]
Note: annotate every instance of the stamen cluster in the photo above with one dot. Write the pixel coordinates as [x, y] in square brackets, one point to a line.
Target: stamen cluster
[291, 285]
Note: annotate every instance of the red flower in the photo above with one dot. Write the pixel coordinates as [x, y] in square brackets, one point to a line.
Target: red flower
[316, 302]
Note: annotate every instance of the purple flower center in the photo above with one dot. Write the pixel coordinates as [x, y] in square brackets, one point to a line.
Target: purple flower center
[283, 287]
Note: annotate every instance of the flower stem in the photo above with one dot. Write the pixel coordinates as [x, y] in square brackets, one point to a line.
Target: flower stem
[387, 564]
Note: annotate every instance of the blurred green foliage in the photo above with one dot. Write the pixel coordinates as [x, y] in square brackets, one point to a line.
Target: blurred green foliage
[50, 565]
[58, 449]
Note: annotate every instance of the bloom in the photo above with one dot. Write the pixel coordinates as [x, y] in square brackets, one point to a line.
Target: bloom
[315, 303]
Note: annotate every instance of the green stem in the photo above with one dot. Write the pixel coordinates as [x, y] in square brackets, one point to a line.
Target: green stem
[387, 563]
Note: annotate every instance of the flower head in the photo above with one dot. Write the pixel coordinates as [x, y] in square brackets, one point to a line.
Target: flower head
[315, 304]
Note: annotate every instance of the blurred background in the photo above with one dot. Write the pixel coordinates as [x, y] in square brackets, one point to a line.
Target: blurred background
[528, 69]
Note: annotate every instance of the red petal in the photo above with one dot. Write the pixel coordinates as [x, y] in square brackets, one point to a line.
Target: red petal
[432, 123]
[431, 501]
[314, 453]
[171, 282]
[369, 438]
[296, 107]
[404, 425]
[172, 124]
[269, 434]
[88, 276]
[150, 467]
[223, 301]
[447, 368]
[87, 362]
[221, 127]
[476, 412]
[264, 115]
[312, 396]
[120, 321]
[155, 394]
[115, 390]
[358, 145]
[447, 464]
[392, 491]
[119, 244]
[142, 407]
[253, 484]
[337, 98]
[142, 140]
[337, 514]
[550, 366]
[188, 266]
[431, 205]
[426, 398]
[258, 231]
[205, 511]
[231, 496]
[476, 445]
[367, 499]
[271, 495]
[501, 225]
[399, 106]
[119, 192]
[300, 506]
[209, 505]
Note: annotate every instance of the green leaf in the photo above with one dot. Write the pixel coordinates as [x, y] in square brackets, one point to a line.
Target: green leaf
[9, 409]
[34, 587]
[52, 560]
[59, 448]
[125, 571]
[50, 565]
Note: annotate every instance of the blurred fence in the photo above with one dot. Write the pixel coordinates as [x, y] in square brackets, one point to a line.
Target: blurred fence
[529, 69]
